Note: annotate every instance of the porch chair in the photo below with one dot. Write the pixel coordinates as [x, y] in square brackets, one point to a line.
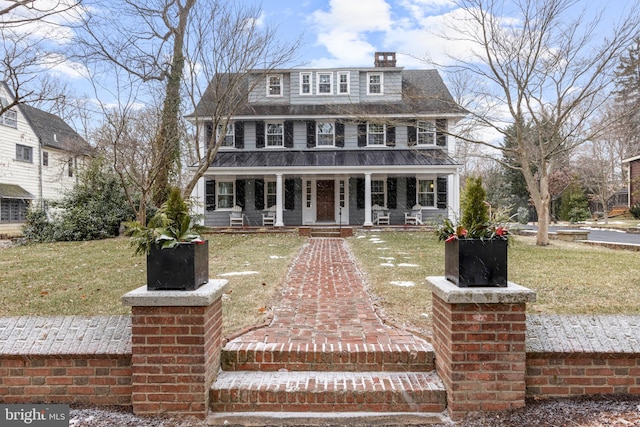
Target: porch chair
[269, 217]
[236, 217]
[381, 215]
[414, 217]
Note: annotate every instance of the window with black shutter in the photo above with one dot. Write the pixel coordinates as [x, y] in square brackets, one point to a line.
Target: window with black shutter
[239, 131]
[412, 135]
[360, 193]
[441, 129]
[210, 195]
[290, 194]
[411, 192]
[260, 134]
[259, 194]
[288, 134]
[339, 134]
[311, 134]
[240, 193]
[441, 186]
[391, 136]
[392, 193]
[362, 135]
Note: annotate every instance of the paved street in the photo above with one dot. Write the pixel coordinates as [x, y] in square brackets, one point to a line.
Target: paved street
[598, 235]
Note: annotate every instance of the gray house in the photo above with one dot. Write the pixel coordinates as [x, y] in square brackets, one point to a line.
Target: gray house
[354, 146]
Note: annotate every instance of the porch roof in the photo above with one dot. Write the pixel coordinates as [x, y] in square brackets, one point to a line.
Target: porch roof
[337, 160]
[13, 191]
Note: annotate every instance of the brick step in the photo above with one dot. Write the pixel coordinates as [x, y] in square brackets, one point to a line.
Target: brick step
[324, 419]
[325, 232]
[313, 391]
[243, 356]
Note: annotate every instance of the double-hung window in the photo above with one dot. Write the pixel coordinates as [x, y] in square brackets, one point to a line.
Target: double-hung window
[375, 84]
[305, 83]
[24, 153]
[426, 133]
[228, 135]
[427, 192]
[274, 85]
[9, 118]
[325, 83]
[325, 134]
[378, 192]
[225, 194]
[270, 194]
[275, 134]
[375, 134]
[343, 83]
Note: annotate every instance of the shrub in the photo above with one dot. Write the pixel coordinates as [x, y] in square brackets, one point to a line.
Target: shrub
[635, 210]
[37, 228]
[573, 204]
[475, 213]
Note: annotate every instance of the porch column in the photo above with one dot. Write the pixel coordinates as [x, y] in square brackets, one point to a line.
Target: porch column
[453, 195]
[367, 200]
[279, 221]
[200, 197]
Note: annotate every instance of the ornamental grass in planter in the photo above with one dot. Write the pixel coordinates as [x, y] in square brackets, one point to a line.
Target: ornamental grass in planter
[177, 256]
[476, 248]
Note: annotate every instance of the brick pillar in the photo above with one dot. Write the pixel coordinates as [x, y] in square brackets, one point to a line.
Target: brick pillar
[479, 341]
[175, 350]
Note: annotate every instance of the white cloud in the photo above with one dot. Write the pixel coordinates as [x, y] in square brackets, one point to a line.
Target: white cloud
[59, 65]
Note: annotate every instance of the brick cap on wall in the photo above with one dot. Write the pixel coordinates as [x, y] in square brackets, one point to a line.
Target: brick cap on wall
[452, 294]
[204, 296]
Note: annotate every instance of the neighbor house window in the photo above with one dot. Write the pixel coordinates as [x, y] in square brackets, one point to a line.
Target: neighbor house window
[70, 167]
[375, 134]
[275, 134]
[378, 192]
[326, 134]
[343, 82]
[229, 134]
[270, 194]
[426, 192]
[374, 86]
[305, 83]
[225, 195]
[45, 158]
[426, 133]
[274, 85]
[13, 210]
[9, 118]
[24, 153]
[325, 83]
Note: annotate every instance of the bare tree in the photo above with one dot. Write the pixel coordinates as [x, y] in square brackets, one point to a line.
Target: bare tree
[230, 52]
[27, 28]
[548, 70]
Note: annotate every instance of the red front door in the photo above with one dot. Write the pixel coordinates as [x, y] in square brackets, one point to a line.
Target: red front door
[325, 201]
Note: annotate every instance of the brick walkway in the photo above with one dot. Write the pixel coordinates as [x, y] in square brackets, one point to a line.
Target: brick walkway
[325, 304]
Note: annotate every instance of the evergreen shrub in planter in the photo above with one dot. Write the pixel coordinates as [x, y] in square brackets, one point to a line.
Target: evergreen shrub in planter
[475, 249]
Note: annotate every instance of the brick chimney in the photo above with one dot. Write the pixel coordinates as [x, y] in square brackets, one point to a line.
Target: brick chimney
[385, 59]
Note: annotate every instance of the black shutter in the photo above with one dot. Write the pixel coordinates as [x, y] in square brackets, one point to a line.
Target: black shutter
[208, 134]
[360, 193]
[239, 134]
[412, 135]
[288, 134]
[259, 194]
[339, 134]
[391, 136]
[411, 192]
[259, 134]
[441, 136]
[362, 135]
[441, 187]
[210, 195]
[392, 193]
[311, 134]
[290, 194]
[240, 192]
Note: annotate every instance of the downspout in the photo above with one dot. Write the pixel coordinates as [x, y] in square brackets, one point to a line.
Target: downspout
[40, 178]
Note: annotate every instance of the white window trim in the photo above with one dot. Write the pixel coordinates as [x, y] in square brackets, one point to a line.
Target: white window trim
[266, 134]
[384, 190]
[369, 74]
[333, 141]
[219, 193]
[433, 141]
[310, 74]
[384, 136]
[348, 74]
[9, 118]
[435, 191]
[231, 126]
[318, 74]
[22, 150]
[281, 78]
[266, 194]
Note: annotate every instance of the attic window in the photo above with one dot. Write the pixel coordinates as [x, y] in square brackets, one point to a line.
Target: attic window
[9, 118]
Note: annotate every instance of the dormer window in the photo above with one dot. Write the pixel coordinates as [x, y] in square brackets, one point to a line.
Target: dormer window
[343, 83]
[325, 83]
[274, 85]
[375, 84]
[9, 118]
[305, 83]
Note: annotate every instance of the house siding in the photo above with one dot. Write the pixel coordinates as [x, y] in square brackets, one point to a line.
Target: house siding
[634, 182]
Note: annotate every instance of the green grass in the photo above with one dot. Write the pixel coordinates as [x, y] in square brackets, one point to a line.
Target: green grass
[89, 278]
[568, 278]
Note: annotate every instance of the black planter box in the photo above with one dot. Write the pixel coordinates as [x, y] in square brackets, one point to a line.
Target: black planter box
[184, 267]
[476, 262]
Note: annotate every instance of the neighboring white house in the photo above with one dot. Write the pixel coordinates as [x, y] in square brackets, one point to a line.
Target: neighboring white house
[39, 157]
[322, 146]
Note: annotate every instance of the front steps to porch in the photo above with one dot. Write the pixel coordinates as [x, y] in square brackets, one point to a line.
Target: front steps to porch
[302, 384]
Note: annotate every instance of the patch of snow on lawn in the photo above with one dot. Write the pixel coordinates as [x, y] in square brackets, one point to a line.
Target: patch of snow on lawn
[239, 273]
[388, 258]
[276, 257]
[387, 264]
[404, 284]
[404, 264]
